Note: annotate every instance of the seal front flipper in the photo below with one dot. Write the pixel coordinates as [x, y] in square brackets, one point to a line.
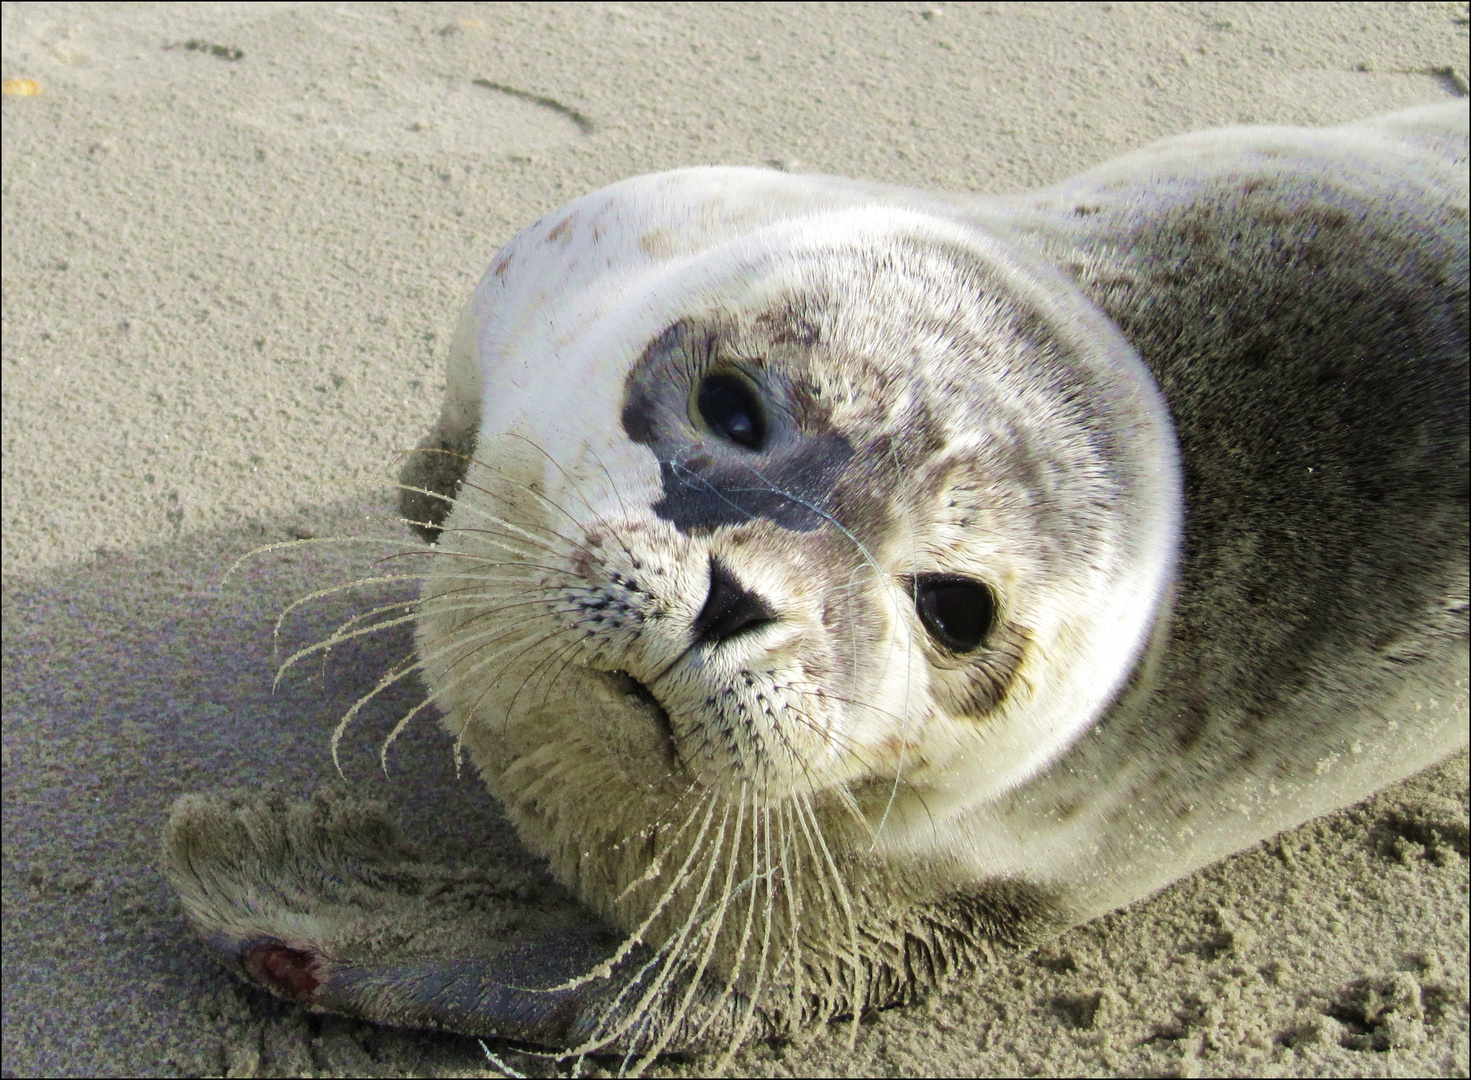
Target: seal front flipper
[323, 903]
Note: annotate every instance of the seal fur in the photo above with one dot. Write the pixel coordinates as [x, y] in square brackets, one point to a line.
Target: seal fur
[1196, 421]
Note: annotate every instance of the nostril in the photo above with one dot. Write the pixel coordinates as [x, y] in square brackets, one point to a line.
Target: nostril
[729, 609]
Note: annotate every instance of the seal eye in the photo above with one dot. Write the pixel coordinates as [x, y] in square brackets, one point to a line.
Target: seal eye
[957, 612]
[729, 406]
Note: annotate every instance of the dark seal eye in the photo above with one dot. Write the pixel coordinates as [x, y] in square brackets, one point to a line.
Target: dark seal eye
[957, 612]
[730, 407]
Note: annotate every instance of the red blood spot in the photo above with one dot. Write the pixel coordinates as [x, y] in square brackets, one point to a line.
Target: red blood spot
[284, 970]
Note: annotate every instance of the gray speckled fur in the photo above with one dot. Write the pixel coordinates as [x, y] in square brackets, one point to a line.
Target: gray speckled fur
[1311, 340]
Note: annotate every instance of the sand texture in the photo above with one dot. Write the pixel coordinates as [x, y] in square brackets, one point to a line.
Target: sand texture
[235, 241]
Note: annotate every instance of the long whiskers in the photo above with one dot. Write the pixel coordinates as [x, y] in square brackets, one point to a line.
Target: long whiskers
[425, 657]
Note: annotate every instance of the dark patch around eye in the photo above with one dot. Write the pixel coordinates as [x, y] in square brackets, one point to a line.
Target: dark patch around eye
[785, 472]
[957, 612]
[792, 489]
[641, 408]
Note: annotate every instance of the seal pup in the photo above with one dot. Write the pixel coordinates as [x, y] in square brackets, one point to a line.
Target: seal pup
[838, 583]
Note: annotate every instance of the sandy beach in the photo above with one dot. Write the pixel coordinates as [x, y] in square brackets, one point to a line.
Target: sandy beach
[236, 238]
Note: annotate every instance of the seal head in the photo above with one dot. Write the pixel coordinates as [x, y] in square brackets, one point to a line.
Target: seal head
[859, 497]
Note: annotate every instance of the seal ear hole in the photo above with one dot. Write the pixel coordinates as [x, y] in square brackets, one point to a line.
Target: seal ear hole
[957, 612]
[730, 407]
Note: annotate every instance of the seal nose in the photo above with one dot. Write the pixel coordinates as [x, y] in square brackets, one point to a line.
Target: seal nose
[729, 609]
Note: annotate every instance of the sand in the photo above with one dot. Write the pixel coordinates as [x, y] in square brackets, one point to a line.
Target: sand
[235, 240]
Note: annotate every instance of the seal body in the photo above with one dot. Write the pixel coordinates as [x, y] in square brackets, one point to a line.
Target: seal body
[1083, 537]
[838, 581]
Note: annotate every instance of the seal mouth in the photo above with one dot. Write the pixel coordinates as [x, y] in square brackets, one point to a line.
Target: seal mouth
[645, 701]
